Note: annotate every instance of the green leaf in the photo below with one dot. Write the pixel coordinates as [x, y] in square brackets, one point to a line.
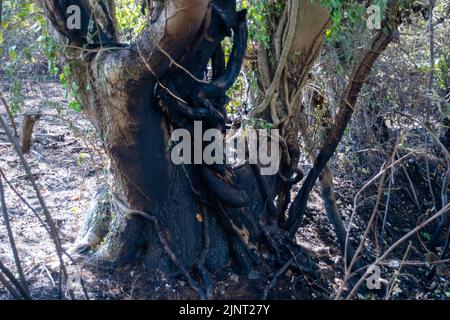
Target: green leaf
[74, 105]
[13, 53]
[426, 236]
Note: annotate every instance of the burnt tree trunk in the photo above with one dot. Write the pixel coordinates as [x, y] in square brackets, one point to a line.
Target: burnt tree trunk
[174, 217]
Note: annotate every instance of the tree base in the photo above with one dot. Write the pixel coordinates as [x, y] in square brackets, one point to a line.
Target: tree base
[111, 238]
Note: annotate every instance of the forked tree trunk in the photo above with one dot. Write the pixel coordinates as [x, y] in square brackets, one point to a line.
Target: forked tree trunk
[174, 217]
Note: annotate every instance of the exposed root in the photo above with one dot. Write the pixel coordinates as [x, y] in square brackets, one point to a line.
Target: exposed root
[164, 242]
[96, 222]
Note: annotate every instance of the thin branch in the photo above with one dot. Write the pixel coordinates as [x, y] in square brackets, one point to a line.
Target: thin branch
[13, 280]
[10, 115]
[12, 240]
[427, 97]
[8, 287]
[53, 229]
[397, 243]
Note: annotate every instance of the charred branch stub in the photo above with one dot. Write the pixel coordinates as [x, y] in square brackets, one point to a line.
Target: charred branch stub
[26, 129]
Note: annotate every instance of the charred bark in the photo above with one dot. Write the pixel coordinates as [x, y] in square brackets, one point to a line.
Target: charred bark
[182, 219]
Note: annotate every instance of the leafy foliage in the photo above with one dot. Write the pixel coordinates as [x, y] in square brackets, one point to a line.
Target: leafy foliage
[20, 22]
[129, 19]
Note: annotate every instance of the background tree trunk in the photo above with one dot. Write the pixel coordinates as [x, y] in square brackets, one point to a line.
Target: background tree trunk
[296, 41]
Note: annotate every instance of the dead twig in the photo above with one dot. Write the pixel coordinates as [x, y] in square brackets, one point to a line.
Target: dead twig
[51, 223]
[408, 235]
[12, 241]
[13, 280]
[10, 115]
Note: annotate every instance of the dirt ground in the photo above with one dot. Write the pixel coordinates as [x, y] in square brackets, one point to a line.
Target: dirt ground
[67, 161]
